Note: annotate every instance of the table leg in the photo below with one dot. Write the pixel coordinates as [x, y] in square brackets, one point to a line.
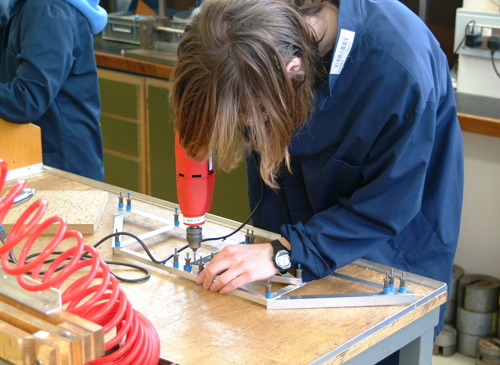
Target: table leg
[419, 351]
[415, 342]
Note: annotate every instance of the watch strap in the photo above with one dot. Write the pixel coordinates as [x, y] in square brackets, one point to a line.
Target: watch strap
[277, 247]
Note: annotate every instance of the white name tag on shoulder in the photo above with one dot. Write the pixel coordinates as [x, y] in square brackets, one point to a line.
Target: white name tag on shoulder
[344, 44]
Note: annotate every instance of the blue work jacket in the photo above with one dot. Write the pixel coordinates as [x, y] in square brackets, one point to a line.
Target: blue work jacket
[378, 171]
[48, 77]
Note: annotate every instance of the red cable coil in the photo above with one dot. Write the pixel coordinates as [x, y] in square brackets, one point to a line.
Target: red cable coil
[104, 303]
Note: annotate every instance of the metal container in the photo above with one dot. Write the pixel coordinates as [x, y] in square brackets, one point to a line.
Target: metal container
[179, 21]
[488, 351]
[162, 33]
[467, 344]
[473, 323]
[450, 314]
[123, 27]
[446, 341]
[478, 293]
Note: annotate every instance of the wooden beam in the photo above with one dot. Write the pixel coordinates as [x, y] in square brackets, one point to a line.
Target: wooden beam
[479, 124]
[128, 64]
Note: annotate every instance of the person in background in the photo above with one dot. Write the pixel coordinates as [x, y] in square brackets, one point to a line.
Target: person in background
[48, 77]
[349, 110]
[3, 13]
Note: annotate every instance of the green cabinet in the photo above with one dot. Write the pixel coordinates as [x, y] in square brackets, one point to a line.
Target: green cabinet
[123, 130]
[137, 123]
[161, 141]
[230, 195]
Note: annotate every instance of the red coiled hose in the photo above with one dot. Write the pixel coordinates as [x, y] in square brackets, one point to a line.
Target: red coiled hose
[95, 296]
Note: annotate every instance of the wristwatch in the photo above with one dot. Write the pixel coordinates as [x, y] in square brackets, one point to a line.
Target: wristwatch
[281, 256]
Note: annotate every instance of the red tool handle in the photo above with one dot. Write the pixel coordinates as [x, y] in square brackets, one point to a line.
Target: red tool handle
[195, 185]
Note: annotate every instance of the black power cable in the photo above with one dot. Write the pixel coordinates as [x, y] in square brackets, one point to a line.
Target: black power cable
[86, 256]
[251, 213]
[147, 273]
[494, 45]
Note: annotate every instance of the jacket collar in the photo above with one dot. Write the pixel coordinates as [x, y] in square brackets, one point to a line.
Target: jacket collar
[350, 24]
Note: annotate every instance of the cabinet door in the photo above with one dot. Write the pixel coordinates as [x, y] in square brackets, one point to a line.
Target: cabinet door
[123, 130]
[161, 141]
[230, 195]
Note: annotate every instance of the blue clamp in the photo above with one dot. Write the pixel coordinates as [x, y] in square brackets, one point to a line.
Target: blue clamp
[402, 283]
[298, 271]
[129, 202]
[269, 292]
[386, 289]
[117, 240]
[176, 217]
[176, 259]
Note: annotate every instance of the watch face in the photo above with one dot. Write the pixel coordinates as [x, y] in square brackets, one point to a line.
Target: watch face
[283, 259]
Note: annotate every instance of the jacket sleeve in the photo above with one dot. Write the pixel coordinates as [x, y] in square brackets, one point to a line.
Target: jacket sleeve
[40, 57]
[387, 197]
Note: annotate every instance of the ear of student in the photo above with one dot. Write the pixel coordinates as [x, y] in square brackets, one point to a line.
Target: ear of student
[295, 65]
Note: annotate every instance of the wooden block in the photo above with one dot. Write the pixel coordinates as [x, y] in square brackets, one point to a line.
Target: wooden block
[81, 208]
[18, 347]
[58, 339]
[91, 335]
[20, 144]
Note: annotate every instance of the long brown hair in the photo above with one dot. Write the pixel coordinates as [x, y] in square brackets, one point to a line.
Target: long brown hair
[231, 75]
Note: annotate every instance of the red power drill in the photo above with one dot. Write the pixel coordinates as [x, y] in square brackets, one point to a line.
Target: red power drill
[195, 188]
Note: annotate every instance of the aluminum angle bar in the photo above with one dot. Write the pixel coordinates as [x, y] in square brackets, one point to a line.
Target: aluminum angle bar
[46, 302]
[118, 223]
[285, 279]
[147, 235]
[413, 278]
[120, 220]
[240, 292]
[279, 299]
[340, 300]
[150, 216]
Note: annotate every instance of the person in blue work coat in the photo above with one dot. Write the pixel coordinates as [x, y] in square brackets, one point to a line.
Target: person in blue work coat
[48, 77]
[3, 14]
[349, 110]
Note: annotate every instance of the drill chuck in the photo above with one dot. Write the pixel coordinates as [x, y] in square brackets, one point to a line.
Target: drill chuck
[193, 237]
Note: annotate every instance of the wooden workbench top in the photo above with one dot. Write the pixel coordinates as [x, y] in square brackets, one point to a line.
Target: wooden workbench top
[197, 326]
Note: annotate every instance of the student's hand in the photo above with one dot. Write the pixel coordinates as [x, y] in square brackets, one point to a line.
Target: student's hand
[237, 265]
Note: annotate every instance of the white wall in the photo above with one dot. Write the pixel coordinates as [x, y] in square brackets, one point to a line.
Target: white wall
[479, 243]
